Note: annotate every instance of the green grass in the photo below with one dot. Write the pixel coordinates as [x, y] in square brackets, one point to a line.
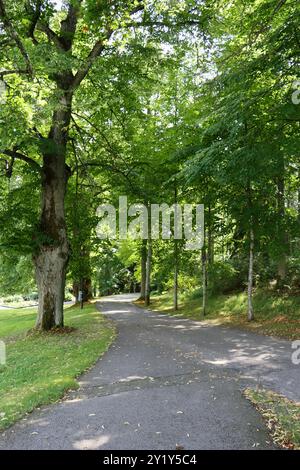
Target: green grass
[282, 416]
[16, 321]
[277, 315]
[42, 366]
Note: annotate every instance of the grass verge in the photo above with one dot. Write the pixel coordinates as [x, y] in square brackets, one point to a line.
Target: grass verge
[282, 416]
[277, 315]
[42, 366]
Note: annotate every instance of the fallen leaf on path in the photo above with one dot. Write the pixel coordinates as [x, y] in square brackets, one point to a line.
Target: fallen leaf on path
[179, 447]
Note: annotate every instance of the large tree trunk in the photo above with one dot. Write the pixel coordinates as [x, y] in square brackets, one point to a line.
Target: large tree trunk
[143, 269]
[52, 256]
[85, 285]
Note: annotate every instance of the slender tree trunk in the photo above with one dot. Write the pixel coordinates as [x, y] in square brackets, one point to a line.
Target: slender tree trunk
[251, 254]
[299, 195]
[176, 267]
[148, 273]
[210, 237]
[204, 281]
[175, 275]
[52, 256]
[143, 269]
[282, 236]
[250, 277]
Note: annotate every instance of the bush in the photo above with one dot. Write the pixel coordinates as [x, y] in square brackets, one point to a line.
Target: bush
[31, 296]
[12, 298]
[68, 296]
[196, 294]
[293, 276]
[224, 277]
[186, 283]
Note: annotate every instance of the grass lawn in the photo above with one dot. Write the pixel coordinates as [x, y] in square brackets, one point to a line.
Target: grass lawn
[274, 315]
[42, 366]
[282, 416]
[19, 304]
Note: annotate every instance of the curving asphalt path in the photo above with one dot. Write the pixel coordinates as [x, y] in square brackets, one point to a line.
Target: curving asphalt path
[166, 382]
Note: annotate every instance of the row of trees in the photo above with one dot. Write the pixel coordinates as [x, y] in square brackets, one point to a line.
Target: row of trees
[187, 102]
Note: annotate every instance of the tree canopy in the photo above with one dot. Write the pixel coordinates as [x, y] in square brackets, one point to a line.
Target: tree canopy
[182, 102]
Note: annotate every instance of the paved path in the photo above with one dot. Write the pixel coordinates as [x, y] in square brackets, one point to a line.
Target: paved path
[166, 381]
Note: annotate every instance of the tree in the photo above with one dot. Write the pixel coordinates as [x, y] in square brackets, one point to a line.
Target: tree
[51, 53]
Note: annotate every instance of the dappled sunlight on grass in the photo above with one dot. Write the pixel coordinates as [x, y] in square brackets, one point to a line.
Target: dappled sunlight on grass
[274, 314]
[41, 367]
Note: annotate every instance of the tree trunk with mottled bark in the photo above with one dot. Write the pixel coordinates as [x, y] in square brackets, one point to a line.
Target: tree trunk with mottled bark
[87, 291]
[51, 257]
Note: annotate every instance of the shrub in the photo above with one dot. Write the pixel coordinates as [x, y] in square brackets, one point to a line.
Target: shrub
[31, 296]
[12, 298]
[224, 277]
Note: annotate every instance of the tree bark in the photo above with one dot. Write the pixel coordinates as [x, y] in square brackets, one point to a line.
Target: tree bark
[299, 195]
[175, 257]
[250, 277]
[282, 236]
[204, 281]
[210, 236]
[52, 255]
[143, 269]
[86, 287]
[148, 274]
[175, 275]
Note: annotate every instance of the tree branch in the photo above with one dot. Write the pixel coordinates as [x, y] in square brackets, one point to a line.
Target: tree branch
[36, 13]
[11, 72]
[69, 24]
[168, 24]
[20, 156]
[15, 36]
[51, 35]
[63, 40]
[97, 50]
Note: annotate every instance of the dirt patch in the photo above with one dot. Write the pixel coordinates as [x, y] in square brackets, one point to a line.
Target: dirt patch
[59, 330]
